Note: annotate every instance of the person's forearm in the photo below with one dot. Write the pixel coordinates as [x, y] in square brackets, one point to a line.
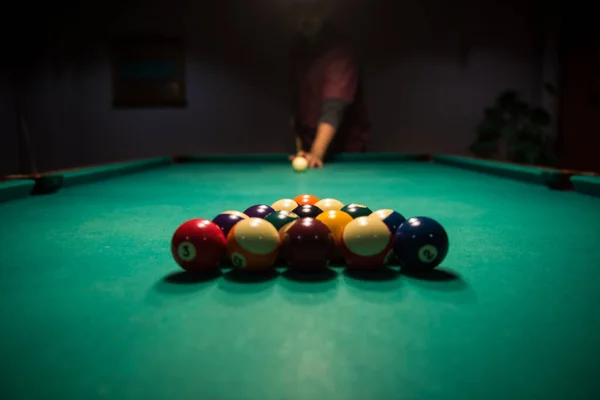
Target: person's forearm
[324, 137]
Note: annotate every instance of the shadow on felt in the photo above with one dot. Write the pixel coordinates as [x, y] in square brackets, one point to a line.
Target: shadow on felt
[241, 276]
[440, 283]
[183, 282]
[310, 276]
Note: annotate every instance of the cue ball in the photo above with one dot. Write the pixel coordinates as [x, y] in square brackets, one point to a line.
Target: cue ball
[421, 243]
[198, 245]
[300, 164]
[366, 243]
[307, 244]
[253, 244]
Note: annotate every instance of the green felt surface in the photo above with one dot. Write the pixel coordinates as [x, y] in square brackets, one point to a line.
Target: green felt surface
[587, 184]
[519, 172]
[94, 174]
[15, 189]
[92, 305]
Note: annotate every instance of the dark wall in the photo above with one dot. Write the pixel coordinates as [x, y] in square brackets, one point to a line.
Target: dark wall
[432, 66]
[9, 162]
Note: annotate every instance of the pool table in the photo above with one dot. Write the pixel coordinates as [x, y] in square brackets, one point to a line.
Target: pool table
[94, 307]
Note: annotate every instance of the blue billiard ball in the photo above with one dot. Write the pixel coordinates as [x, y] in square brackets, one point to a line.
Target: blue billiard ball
[420, 243]
[393, 219]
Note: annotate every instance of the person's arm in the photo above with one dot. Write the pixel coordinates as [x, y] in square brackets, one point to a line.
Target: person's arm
[339, 89]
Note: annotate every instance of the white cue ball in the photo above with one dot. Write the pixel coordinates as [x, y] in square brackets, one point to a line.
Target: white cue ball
[300, 164]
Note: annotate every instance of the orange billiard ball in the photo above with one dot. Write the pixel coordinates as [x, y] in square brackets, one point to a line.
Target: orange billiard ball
[305, 199]
[253, 244]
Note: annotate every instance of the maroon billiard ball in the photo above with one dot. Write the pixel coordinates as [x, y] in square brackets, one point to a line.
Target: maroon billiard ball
[307, 244]
[198, 245]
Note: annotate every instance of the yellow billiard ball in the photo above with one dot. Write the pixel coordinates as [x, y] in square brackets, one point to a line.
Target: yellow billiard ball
[300, 164]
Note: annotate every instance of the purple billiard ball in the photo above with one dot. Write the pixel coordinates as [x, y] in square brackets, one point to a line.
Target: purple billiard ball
[226, 220]
[259, 211]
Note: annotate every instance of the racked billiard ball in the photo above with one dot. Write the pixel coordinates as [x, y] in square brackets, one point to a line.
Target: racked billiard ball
[227, 219]
[307, 244]
[280, 218]
[253, 244]
[336, 221]
[307, 211]
[284, 205]
[258, 211]
[366, 243]
[357, 210]
[421, 243]
[391, 218]
[329, 204]
[198, 245]
[306, 199]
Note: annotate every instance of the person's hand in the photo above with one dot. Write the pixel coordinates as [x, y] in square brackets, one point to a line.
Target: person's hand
[313, 160]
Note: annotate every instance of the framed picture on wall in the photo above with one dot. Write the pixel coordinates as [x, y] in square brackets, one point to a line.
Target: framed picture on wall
[148, 72]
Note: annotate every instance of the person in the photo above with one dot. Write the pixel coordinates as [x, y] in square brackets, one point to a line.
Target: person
[329, 113]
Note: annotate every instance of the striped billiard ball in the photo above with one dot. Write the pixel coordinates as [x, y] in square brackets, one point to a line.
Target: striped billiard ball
[253, 244]
[365, 243]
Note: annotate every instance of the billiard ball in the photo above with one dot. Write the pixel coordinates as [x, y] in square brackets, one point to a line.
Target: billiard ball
[306, 199]
[307, 244]
[421, 243]
[280, 218]
[391, 218]
[335, 220]
[253, 244]
[329, 204]
[284, 205]
[258, 211]
[300, 164]
[357, 210]
[366, 243]
[307, 211]
[227, 219]
[198, 245]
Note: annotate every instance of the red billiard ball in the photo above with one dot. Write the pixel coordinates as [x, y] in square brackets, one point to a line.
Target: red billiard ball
[366, 243]
[253, 244]
[307, 244]
[198, 245]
